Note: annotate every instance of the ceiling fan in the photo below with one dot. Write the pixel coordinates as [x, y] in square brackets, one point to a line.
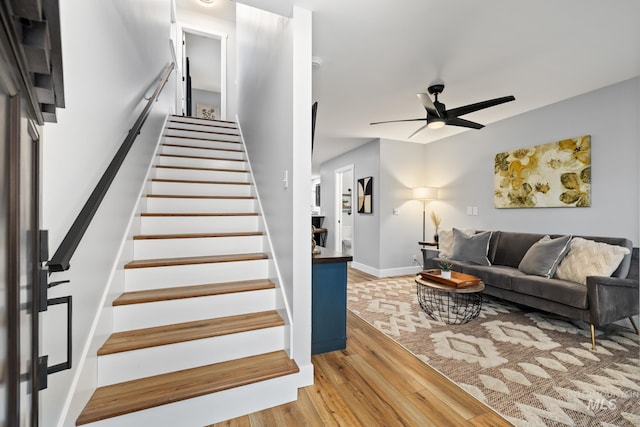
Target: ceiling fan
[438, 116]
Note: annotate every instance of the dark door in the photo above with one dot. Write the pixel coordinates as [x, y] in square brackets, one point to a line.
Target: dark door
[19, 213]
[188, 89]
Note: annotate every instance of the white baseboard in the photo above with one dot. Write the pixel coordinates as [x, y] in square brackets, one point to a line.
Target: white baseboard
[388, 272]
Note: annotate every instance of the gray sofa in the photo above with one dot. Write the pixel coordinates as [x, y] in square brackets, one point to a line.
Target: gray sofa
[603, 300]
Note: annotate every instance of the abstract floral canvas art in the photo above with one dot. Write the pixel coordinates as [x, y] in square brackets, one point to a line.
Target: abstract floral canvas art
[557, 174]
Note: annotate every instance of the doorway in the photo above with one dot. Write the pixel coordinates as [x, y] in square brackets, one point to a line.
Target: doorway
[344, 224]
[204, 74]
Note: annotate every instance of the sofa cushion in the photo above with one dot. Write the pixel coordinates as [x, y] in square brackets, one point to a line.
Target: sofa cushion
[590, 258]
[471, 248]
[544, 256]
[445, 241]
[510, 247]
[495, 275]
[560, 291]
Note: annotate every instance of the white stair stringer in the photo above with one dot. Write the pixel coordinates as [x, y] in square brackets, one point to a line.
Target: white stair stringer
[200, 228]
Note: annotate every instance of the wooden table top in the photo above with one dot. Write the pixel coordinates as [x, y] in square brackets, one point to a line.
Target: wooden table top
[435, 285]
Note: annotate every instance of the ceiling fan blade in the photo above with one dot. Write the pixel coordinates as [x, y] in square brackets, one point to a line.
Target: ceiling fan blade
[455, 121]
[397, 121]
[466, 109]
[428, 104]
[419, 129]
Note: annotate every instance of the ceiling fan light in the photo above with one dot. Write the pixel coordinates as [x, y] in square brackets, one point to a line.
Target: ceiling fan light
[436, 124]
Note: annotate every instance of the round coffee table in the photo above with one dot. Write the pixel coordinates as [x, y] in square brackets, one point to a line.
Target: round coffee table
[447, 303]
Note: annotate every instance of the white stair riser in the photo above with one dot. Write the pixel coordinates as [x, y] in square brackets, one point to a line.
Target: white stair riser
[201, 175]
[201, 246]
[222, 136]
[193, 122]
[177, 205]
[142, 279]
[201, 163]
[212, 408]
[197, 189]
[146, 362]
[204, 128]
[231, 145]
[197, 224]
[159, 313]
[202, 152]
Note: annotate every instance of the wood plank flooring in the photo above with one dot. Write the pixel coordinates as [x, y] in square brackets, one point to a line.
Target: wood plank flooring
[374, 382]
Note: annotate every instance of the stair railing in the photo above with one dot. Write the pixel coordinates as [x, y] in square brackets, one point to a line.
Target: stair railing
[60, 261]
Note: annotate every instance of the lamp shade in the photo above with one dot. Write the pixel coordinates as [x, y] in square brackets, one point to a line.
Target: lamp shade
[425, 193]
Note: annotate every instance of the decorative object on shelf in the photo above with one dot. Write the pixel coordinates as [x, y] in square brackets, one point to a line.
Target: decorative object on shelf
[557, 174]
[436, 220]
[346, 202]
[365, 195]
[425, 194]
[314, 249]
[208, 112]
[445, 269]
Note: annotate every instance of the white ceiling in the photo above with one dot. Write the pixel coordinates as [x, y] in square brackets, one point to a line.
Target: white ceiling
[376, 55]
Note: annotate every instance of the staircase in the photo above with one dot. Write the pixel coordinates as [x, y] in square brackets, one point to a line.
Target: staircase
[197, 337]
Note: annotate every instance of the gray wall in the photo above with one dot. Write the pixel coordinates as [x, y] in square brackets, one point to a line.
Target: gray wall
[199, 96]
[105, 84]
[461, 167]
[366, 230]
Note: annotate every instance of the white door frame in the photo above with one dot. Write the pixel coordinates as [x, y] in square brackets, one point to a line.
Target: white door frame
[223, 64]
[337, 225]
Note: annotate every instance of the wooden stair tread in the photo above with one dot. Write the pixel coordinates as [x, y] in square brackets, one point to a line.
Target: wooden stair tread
[185, 196]
[201, 139]
[168, 262]
[182, 156]
[178, 116]
[194, 291]
[192, 181]
[199, 214]
[131, 396]
[201, 169]
[203, 131]
[197, 235]
[202, 148]
[188, 331]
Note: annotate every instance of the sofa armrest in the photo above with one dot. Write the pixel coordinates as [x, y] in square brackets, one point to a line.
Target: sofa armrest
[612, 298]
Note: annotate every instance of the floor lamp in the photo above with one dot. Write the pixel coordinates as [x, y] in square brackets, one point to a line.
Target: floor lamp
[425, 194]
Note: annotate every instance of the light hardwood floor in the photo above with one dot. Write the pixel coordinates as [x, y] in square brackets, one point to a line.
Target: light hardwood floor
[374, 382]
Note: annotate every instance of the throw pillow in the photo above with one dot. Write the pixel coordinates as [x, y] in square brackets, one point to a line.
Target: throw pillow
[445, 241]
[543, 257]
[590, 258]
[471, 248]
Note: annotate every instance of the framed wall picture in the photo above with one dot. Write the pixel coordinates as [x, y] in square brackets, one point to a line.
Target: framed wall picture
[365, 195]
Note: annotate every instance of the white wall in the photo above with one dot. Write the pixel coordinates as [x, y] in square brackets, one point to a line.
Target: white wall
[204, 23]
[462, 166]
[401, 169]
[204, 97]
[112, 52]
[366, 227]
[274, 99]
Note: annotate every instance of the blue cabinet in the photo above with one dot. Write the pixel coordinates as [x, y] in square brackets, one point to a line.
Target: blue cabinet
[329, 304]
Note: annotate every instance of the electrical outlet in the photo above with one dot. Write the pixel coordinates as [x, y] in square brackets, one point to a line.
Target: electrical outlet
[415, 258]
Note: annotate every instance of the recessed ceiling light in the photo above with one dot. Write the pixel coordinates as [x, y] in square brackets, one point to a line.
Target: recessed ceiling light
[207, 2]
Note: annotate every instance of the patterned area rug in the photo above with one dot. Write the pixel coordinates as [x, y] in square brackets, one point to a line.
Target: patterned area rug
[533, 368]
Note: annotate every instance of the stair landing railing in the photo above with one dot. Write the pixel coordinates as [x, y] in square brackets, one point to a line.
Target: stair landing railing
[60, 261]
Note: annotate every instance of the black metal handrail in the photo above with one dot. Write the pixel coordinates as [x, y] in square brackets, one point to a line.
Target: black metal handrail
[62, 256]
